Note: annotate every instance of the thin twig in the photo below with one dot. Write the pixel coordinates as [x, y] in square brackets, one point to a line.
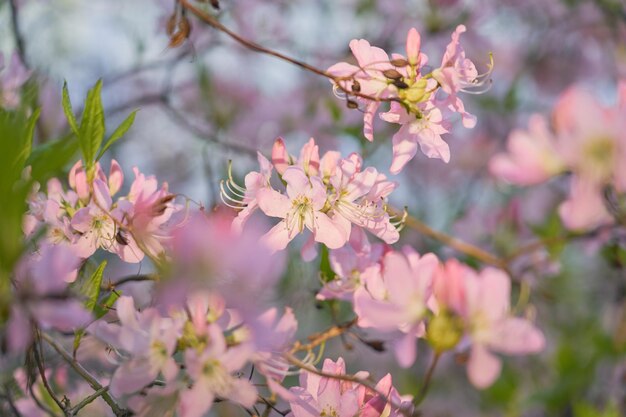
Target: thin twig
[321, 337]
[39, 360]
[74, 411]
[463, 247]
[426, 384]
[253, 46]
[91, 380]
[17, 34]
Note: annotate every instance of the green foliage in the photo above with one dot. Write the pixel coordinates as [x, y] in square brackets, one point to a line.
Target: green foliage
[326, 272]
[49, 159]
[118, 133]
[552, 232]
[90, 132]
[90, 286]
[587, 410]
[16, 136]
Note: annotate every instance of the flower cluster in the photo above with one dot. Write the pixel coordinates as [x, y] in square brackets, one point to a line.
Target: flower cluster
[587, 139]
[410, 296]
[185, 359]
[330, 196]
[85, 217]
[420, 101]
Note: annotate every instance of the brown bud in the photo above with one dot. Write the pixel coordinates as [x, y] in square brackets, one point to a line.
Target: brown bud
[215, 4]
[161, 205]
[171, 25]
[120, 237]
[184, 29]
[400, 84]
[356, 86]
[399, 62]
[392, 74]
[352, 104]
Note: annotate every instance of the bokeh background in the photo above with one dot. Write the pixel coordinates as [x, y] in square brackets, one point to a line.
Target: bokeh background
[210, 100]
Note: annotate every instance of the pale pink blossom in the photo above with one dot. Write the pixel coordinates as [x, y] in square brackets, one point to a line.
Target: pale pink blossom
[146, 339]
[402, 303]
[300, 208]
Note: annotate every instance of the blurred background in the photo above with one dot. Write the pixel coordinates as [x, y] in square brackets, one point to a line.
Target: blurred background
[210, 100]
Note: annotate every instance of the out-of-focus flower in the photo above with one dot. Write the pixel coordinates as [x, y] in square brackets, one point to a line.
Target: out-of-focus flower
[588, 140]
[12, 78]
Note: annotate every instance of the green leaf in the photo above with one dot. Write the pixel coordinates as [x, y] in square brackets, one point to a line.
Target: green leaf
[91, 131]
[28, 139]
[118, 133]
[90, 289]
[49, 159]
[67, 109]
[326, 271]
[103, 307]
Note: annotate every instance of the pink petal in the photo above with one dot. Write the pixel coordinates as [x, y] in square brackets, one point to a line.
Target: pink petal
[517, 336]
[273, 203]
[483, 367]
[404, 149]
[413, 42]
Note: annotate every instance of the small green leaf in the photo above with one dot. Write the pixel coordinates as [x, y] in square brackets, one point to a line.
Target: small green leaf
[90, 289]
[91, 131]
[103, 307]
[28, 139]
[326, 271]
[118, 133]
[67, 109]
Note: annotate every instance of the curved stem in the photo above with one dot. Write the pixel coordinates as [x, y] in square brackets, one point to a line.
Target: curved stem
[426, 384]
[466, 248]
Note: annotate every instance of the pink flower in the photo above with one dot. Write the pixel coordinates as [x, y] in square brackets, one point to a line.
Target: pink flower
[358, 199]
[301, 208]
[425, 130]
[211, 371]
[245, 198]
[588, 139]
[148, 339]
[483, 303]
[415, 104]
[320, 396]
[355, 265]
[532, 157]
[402, 303]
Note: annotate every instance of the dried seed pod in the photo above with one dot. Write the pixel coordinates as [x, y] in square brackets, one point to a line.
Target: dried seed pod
[400, 84]
[170, 26]
[352, 104]
[120, 237]
[184, 29]
[399, 62]
[392, 74]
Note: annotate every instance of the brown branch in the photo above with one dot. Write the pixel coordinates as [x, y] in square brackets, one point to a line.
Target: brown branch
[91, 380]
[38, 354]
[459, 245]
[17, 34]
[253, 46]
[317, 339]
